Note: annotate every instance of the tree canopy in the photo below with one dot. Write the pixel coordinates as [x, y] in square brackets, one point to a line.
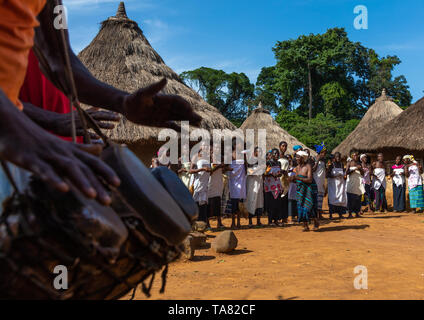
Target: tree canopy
[230, 93]
[346, 77]
[319, 87]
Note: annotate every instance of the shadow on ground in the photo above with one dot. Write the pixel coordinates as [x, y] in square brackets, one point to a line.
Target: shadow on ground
[341, 228]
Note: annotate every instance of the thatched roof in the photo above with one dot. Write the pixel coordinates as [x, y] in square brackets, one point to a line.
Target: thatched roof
[403, 132]
[381, 112]
[121, 56]
[261, 119]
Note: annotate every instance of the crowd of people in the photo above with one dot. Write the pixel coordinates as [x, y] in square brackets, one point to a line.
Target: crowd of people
[290, 186]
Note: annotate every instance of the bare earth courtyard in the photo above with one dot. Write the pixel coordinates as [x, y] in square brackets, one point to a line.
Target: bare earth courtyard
[286, 263]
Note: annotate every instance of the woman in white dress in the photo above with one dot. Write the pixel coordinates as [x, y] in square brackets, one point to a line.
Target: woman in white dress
[337, 196]
[255, 192]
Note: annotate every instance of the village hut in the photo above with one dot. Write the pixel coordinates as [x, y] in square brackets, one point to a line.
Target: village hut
[379, 114]
[261, 118]
[121, 56]
[401, 135]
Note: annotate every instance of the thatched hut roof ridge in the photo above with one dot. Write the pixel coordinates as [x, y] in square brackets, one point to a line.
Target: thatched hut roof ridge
[261, 118]
[121, 56]
[384, 97]
[121, 13]
[405, 132]
[380, 113]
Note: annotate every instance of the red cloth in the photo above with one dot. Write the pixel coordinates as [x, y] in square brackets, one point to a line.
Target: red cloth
[40, 92]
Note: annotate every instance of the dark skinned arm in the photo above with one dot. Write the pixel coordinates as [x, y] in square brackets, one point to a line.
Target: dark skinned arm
[406, 170]
[309, 177]
[25, 144]
[146, 106]
[61, 124]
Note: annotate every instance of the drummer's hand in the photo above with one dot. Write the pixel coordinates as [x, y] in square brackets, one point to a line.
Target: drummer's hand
[28, 146]
[62, 124]
[150, 108]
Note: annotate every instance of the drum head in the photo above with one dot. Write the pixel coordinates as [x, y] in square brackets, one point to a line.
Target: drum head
[178, 191]
[161, 214]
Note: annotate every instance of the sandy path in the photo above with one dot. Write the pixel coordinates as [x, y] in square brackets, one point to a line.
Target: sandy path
[285, 263]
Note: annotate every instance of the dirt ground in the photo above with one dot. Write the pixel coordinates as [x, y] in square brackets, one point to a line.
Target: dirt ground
[286, 263]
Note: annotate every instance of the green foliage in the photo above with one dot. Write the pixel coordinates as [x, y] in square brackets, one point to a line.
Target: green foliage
[230, 93]
[346, 76]
[325, 128]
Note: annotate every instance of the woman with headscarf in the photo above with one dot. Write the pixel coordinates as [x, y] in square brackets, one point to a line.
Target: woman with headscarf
[413, 172]
[306, 192]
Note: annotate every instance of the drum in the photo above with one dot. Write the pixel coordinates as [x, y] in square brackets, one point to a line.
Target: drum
[106, 251]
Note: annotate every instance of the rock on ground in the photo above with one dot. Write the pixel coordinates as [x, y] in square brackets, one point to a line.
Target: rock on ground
[225, 242]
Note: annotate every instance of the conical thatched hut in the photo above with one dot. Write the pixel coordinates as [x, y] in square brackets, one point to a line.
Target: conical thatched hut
[261, 119]
[401, 135]
[381, 112]
[121, 56]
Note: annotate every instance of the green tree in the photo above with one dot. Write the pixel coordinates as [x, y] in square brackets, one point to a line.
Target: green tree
[322, 128]
[230, 93]
[327, 73]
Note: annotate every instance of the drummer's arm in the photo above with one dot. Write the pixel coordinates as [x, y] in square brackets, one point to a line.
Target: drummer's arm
[90, 90]
[138, 107]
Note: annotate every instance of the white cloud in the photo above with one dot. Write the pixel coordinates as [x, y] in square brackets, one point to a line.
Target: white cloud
[158, 31]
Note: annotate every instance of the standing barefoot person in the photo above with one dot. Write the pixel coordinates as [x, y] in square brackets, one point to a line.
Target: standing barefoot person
[413, 172]
[216, 188]
[200, 168]
[354, 187]
[399, 185]
[255, 192]
[284, 163]
[337, 198]
[379, 184]
[369, 195]
[292, 192]
[319, 171]
[237, 186]
[273, 188]
[306, 191]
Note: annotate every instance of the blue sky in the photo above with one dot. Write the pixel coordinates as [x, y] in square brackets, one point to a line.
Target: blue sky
[235, 35]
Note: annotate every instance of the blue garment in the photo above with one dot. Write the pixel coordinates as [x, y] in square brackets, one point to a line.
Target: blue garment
[399, 197]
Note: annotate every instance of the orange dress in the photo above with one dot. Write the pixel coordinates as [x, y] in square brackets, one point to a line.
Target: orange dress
[17, 23]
